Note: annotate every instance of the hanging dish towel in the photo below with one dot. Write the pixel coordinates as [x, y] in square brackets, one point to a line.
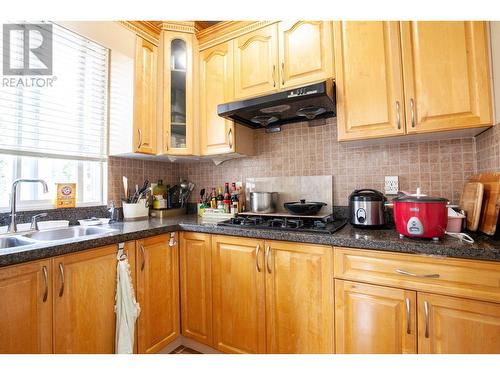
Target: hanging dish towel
[127, 309]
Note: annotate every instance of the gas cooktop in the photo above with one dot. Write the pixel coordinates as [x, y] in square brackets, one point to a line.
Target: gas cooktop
[326, 224]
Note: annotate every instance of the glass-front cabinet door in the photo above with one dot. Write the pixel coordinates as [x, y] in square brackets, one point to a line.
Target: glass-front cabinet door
[178, 94]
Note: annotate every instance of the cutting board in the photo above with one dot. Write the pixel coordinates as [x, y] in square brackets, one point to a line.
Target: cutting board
[470, 202]
[491, 201]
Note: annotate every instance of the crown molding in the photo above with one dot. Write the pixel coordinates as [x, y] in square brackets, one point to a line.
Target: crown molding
[190, 27]
[145, 29]
[227, 30]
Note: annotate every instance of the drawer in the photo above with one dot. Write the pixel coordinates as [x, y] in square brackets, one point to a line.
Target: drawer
[450, 276]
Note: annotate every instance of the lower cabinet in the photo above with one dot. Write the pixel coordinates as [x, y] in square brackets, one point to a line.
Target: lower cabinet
[299, 298]
[84, 299]
[238, 286]
[272, 297]
[372, 319]
[157, 275]
[196, 286]
[26, 308]
[449, 325]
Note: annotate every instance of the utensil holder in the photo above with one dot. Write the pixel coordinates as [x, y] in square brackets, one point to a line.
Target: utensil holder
[135, 210]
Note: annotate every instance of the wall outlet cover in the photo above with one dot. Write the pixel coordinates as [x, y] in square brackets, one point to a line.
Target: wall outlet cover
[391, 185]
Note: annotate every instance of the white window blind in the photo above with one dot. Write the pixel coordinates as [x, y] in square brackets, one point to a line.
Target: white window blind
[67, 120]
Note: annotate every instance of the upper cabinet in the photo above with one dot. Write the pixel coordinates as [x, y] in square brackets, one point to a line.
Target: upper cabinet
[177, 88]
[305, 51]
[369, 83]
[446, 74]
[145, 97]
[255, 62]
[396, 78]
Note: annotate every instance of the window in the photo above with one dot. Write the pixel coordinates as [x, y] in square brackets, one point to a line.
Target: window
[58, 131]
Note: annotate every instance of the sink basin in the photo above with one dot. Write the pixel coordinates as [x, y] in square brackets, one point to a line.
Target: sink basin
[7, 242]
[67, 233]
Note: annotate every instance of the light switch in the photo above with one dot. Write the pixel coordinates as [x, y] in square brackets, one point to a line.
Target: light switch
[391, 185]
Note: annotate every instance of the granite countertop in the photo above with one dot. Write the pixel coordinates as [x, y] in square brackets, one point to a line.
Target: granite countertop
[485, 248]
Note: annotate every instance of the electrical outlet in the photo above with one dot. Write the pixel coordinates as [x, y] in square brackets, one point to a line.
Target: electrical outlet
[391, 184]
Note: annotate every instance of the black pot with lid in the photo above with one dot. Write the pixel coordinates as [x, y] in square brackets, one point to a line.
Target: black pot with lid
[367, 208]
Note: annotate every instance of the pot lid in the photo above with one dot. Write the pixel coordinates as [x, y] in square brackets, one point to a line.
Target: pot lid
[367, 195]
[418, 197]
[304, 203]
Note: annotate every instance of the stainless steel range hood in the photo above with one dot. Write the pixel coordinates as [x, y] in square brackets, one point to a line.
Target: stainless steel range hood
[270, 111]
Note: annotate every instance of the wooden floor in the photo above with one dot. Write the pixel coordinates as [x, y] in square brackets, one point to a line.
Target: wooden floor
[184, 350]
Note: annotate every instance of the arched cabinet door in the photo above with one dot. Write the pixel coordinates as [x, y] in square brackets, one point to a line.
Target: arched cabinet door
[306, 52]
[255, 62]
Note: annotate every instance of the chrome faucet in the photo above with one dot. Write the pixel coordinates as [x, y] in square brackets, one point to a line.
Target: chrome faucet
[13, 199]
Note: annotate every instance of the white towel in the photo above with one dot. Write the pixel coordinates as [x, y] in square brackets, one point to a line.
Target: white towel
[127, 309]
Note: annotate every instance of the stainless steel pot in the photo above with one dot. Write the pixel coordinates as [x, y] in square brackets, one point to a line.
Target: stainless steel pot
[263, 202]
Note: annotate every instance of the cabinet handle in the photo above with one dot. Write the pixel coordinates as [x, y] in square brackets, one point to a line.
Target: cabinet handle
[274, 71]
[427, 276]
[408, 316]
[282, 73]
[257, 251]
[426, 308]
[166, 140]
[143, 257]
[230, 137]
[412, 107]
[46, 280]
[267, 258]
[398, 114]
[140, 138]
[61, 271]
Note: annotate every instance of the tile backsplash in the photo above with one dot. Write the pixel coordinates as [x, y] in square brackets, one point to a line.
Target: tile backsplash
[439, 167]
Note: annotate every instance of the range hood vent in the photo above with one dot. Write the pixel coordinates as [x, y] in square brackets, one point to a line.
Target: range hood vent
[270, 111]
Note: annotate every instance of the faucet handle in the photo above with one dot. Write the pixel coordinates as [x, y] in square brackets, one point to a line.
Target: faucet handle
[34, 222]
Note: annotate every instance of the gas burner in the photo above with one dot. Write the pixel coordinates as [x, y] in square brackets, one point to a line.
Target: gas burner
[285, 223]
[320, 224]
[246, 220]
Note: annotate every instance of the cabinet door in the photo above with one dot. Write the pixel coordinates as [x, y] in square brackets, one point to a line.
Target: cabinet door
[373, 319]
[305, 52]
[196, 286]
[238, 295]
[145, 99]
[177, 86]
[255, 63]
[446, 75]
[26, 309]
[217, 133]
[369, 82]
[84, 300]
[157, 292]
[299, 298]
[452, 325]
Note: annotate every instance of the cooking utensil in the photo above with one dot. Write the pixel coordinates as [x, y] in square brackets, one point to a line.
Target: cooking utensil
[125, 187]
[303, 207]
[263, 202]
[490, 206]
[367, 208]
[418, 215]
[470, 202]
[202, 194]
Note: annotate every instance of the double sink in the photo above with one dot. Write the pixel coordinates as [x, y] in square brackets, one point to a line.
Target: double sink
[49, 235]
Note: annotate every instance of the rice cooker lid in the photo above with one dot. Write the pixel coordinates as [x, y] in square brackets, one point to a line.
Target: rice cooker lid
[366, 195]
[419, 198]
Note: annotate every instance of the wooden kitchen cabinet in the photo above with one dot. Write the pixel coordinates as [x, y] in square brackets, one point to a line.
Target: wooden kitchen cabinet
[157, 275]
[369, 82]
[26, 308]
[255, 63]
[446, 70]
[305, 52]
[177, 85]
[196, 286]
[372, 319]
[449, 325]
[299, 298]
[84, 300]
[238, 286]
[145, 97]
